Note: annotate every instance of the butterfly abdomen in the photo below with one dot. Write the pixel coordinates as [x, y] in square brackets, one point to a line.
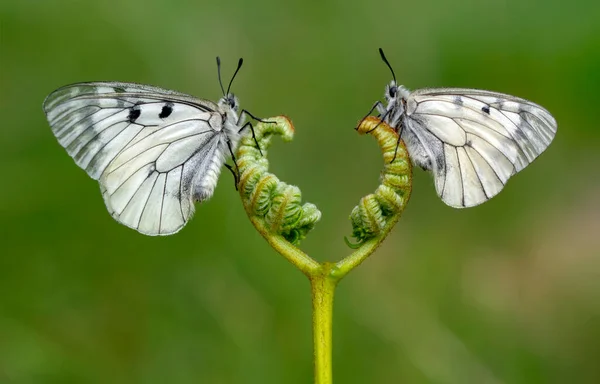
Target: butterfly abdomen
[207, 165]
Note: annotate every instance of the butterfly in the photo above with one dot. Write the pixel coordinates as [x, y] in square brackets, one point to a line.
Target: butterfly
[154, 151]
[472, 140]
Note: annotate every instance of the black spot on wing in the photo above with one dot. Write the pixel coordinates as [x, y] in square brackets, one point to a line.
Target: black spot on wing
[486, 109]
[458, 100]
[166, 111]
[134, 114]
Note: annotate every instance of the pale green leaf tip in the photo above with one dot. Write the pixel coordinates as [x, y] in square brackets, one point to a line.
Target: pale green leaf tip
[352, 245]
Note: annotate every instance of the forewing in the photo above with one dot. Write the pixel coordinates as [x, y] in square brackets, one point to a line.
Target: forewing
[146, 146]
[474, 140]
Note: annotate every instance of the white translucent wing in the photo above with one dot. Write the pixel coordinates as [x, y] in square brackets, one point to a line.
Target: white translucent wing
[473, 141]
[153, 151]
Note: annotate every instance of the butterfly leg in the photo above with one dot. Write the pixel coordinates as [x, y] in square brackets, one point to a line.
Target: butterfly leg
[376, 105]
[237, 169]
[245, 112]
[380, 121]
[235, 175]
[253, 135]
[396, 150]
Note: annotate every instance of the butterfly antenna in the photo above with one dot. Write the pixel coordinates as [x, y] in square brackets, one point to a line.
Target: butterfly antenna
[235, 73]
[219, 73]
[387, 63]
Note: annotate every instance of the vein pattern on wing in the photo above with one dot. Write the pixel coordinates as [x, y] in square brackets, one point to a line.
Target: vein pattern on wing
[151, 166]
[486, 138]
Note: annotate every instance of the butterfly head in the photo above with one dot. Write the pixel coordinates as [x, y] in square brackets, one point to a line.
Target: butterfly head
[396, 96]
[394, 93]
[230, 102]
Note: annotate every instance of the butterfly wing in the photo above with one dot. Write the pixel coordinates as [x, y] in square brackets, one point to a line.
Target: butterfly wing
[153, 151]
[473, 141]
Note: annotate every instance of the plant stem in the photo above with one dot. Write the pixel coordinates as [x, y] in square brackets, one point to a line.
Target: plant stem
[301, 260]
[323, 289]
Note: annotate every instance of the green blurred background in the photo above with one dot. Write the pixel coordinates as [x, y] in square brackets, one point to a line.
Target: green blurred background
[508, 292]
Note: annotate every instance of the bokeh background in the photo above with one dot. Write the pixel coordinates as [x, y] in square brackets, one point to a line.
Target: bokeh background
[507, 292]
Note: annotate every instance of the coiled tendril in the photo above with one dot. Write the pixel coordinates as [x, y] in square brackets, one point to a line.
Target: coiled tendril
[276, 204]
[376, 213]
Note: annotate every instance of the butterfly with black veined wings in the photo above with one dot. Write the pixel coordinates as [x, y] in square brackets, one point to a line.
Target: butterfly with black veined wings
[472, 140]
[153, 151]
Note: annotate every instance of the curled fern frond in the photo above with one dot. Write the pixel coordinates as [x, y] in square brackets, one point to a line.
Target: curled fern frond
[275, 203]
[377, 212]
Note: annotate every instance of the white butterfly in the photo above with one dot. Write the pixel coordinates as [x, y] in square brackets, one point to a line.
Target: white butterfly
[472, 141]
[154, 151]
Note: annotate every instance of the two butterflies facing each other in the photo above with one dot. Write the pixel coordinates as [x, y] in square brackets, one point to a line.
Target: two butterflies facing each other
[155, 152]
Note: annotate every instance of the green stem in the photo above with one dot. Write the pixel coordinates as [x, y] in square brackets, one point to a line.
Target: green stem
[301, 260]
[323, 289]
[348, 263]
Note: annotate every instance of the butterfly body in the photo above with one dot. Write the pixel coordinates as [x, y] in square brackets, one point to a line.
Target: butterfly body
[154, 151]
[471, 140]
